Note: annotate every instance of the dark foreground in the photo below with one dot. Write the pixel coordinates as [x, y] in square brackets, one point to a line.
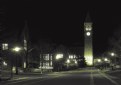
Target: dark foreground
[77, 77]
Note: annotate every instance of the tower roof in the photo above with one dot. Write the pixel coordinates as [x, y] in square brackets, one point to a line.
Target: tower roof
[88, 19]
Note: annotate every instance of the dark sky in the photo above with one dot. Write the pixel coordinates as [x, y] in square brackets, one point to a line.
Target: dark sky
[62, 22]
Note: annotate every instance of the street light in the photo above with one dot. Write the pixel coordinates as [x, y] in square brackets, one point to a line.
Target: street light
[105, 59]
[16, 49]
[112, 54]
[99, 60]
[68, 61]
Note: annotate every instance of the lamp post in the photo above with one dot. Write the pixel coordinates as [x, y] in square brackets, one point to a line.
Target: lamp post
[105, 59]
[68, 61]
[16, 49]
[99, 60]
[113, 55]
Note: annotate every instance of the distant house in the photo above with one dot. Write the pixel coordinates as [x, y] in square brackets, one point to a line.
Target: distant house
[45, 52]
[7, 42]
[9, 39]
[79, 53]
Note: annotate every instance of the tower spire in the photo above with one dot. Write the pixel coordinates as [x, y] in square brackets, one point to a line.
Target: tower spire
[88, 18]
[26, 43]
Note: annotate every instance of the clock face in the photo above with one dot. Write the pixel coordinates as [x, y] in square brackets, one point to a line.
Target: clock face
[88, 33]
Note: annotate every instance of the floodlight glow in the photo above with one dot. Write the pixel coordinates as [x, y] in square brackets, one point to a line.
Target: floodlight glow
[89, 60]
[88, 33]
[58, 56]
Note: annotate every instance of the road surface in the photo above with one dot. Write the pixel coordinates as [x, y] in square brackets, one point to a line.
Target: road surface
[77, 77]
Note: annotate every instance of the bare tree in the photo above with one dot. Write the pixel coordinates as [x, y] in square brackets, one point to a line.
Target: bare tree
[115, 44]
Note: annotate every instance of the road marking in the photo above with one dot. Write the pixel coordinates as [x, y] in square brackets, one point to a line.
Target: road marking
[42, 80]
[20, 78]
[91, 79]
[14, 82]
[107, 77]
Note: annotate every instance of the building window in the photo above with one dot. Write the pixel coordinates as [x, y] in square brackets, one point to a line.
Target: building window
[47, 64]
[74, 56]
[4, 46]
[70, 56]
[59, 56]
[46, 56]
[51, 63]
[88, 28]
[51, 58]
[44, 64]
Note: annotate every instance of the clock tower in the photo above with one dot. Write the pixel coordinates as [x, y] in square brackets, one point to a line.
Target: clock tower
[88, 46]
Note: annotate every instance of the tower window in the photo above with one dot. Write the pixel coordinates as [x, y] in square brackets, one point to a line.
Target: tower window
[88, 28]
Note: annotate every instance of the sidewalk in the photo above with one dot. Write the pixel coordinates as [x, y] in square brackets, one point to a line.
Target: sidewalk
[115, 72]
[22, 76]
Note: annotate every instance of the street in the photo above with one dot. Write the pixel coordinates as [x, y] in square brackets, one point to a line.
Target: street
[76, 77]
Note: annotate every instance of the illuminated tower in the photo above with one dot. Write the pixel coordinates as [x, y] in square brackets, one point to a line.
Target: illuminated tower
[88, 47]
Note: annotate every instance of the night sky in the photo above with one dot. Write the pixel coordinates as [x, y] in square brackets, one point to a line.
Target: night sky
[62, 22]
